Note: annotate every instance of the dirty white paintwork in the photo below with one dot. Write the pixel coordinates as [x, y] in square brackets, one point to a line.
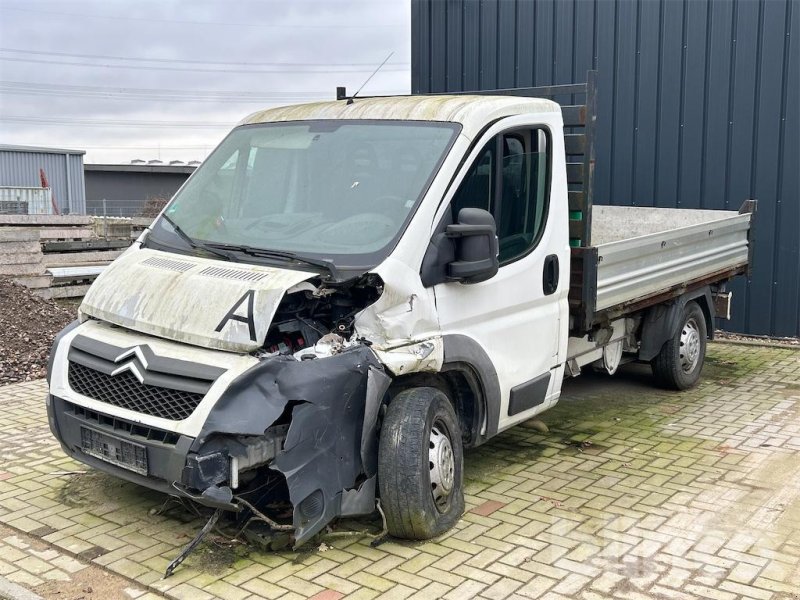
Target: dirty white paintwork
[405, 312]
[523, 331]
[234, 365]
[187, 305]
[403, 326]
[472, 112]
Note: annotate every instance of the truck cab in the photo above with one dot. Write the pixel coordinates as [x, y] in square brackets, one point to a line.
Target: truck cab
[347, 294]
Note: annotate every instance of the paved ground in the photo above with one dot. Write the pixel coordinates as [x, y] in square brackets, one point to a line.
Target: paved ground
[634, 493]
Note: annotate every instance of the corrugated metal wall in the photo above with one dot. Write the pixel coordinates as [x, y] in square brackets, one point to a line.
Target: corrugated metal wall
[699, 106]
[64, 173]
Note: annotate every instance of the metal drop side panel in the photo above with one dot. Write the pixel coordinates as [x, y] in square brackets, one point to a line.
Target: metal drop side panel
[634, 269]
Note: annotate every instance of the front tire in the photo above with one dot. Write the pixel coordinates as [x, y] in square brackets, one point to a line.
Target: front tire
[680, 362]
[420, 465]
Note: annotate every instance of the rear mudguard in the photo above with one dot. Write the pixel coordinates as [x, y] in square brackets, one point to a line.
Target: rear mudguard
[330, 454]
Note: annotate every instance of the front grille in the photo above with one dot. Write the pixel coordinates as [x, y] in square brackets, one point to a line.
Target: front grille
[141, 433]
[125, 391]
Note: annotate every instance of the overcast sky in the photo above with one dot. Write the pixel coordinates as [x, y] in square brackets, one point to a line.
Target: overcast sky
[127, 79]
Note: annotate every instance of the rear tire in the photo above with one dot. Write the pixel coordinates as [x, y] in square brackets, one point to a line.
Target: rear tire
[680, 362]
[420, 465]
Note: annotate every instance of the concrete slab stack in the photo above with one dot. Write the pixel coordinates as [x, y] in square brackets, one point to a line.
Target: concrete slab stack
[30, 245]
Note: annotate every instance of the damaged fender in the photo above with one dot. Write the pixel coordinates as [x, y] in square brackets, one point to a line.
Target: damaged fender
[404, 314]
[329, 457]
[426, 356]
[402, 325]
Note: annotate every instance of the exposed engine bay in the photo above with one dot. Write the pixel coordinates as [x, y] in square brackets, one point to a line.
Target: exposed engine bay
[308, 314]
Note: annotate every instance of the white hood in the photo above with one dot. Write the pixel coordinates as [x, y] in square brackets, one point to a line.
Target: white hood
[190, 299]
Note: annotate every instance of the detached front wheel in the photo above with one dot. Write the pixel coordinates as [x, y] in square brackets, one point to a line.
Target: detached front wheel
[680, 361]
[420, 465]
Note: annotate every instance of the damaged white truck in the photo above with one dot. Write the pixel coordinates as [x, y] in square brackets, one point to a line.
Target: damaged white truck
[345, 295]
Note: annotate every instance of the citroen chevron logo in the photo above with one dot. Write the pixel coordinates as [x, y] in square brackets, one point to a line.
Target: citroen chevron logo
[131, 365]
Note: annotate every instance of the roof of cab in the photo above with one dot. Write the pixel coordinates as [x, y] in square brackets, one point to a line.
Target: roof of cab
[472, 112]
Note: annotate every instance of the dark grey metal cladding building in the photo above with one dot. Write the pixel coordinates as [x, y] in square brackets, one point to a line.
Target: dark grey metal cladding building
[699, 107]
[20, 165]
[126, 188]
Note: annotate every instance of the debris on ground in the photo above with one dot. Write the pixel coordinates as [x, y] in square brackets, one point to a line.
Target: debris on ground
[28, 325]
[756, 339]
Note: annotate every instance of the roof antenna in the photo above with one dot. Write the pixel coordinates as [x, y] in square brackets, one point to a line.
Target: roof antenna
[341, 94]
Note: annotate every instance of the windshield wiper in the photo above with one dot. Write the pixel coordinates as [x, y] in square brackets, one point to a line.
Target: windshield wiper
[281, 254]
[192, 242]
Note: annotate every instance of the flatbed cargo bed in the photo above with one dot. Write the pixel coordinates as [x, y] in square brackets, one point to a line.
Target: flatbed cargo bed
[640, 256]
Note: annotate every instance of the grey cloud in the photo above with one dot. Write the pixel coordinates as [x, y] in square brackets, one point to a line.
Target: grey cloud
[248, 31]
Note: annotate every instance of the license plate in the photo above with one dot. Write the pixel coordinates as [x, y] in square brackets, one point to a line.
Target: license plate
[114, 450]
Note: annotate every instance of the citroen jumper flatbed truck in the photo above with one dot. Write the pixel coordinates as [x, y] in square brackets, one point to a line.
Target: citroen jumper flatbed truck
[347, 294]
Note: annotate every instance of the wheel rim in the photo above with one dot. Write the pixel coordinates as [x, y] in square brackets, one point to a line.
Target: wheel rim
[442, 465]
[690, 346]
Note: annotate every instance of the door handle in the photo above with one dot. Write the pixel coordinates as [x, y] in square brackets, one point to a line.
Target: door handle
[550, 275]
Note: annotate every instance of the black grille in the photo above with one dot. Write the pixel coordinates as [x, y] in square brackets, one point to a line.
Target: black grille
[116, 425]
[125, 391]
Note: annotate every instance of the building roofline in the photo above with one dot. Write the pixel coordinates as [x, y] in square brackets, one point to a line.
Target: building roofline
[39, 149]
[173, 169]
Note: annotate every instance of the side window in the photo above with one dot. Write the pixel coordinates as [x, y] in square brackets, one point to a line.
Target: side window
[477, 189]
[514, 189]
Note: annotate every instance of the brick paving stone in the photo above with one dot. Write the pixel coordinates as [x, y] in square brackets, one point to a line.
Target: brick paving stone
[327, 595]
[28, 561]
[487, 508]
[677, 496]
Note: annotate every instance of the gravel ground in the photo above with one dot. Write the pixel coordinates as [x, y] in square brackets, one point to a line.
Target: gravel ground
[28, 325]
[757, 339]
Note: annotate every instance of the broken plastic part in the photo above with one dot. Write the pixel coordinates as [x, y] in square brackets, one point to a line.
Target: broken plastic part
[193, 544]
[331, 444]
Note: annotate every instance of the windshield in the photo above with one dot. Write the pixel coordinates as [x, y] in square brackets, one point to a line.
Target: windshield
[341, 191]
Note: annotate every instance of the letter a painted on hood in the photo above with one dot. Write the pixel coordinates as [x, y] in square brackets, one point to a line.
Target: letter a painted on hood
[232, 316]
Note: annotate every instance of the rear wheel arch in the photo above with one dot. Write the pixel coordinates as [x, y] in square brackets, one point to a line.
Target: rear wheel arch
[680, 362]
[706, 304]
[662, 321]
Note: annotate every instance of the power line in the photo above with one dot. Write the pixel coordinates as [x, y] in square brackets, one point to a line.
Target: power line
[51, 90]
[145, 94]
[193, 62]
[71, 121]
[293, 71]
[183, 22]
[249, 94]
[140, 98]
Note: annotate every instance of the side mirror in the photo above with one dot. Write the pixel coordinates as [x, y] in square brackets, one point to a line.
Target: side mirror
[475, 238]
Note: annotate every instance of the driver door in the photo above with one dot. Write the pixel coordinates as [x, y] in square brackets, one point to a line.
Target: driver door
[519, 316]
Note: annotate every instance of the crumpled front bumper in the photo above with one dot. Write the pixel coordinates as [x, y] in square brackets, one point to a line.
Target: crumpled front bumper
[167, 455]
[327, 452]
